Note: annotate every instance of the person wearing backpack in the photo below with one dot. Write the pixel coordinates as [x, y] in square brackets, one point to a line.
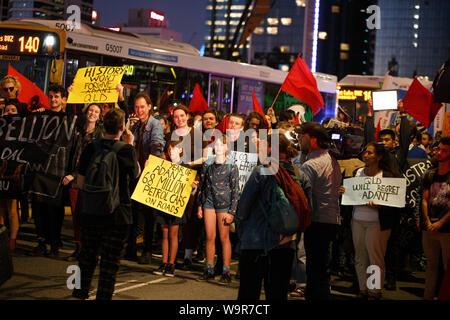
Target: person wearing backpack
[217, 203]
[268, 246]
[104, 171]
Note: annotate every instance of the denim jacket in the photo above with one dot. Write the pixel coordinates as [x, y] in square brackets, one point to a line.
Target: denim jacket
[153, 138]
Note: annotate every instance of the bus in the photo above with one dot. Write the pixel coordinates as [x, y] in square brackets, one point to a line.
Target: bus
[48, 51]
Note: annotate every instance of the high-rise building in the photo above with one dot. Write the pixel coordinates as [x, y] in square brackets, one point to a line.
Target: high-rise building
[49, 9]
[414, 37]
[337, 39]
[4, 9]
[278, 39]
[223, 17]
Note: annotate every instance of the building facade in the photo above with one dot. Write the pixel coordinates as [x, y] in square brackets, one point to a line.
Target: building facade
[49, 9]
[414, 38]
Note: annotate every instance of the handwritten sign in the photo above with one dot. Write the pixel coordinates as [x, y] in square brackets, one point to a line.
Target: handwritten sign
[165, 186]
[243, 160]
[96, 85]
[389, 192]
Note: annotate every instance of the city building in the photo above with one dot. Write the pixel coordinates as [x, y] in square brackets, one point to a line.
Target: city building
[150, 22]
[337, 39]
[48, 9]
[4, 9]
[413, 38]
[278, 40]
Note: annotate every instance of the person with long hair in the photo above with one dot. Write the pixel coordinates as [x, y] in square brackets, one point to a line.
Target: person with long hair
[90, 129]
[371, 223]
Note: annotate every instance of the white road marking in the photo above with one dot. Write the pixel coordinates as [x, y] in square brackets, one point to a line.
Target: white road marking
[92, 297]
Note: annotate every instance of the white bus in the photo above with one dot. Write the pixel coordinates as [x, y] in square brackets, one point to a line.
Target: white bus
[52, 51]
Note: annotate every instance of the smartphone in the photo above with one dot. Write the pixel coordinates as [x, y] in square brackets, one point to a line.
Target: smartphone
[384, 100]
[335, 136]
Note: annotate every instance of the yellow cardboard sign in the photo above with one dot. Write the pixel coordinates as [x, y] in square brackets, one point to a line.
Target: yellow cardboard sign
[165, 186]
[96, 85]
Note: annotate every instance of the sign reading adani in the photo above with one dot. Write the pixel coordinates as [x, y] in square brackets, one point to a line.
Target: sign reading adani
[96, 85]
[390, 192]
[165, 186]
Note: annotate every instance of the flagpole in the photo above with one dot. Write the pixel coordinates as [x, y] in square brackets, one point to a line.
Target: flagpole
[275, 98]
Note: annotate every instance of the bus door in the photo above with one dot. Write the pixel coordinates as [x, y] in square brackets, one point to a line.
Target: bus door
[220, 93]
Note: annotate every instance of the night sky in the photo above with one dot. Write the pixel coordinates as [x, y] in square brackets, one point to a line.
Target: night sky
[185, 16]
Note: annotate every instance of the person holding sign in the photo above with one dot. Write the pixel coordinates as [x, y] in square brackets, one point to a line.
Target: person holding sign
[217, 203]
[149, 140]
[371, 223]
[170, 225]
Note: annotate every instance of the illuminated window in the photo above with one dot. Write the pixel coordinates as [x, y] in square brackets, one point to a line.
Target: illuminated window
[237, 7]
[417, 7]
[415, 44]
[235, 15]
[286, 21]
[208, 22]
[322, 35]
[345, 46]
[300, 3]
[335, 9]
[416, 35]
[235, 54]
[272, 21]
[344, 56]
[284, 67]
[416, 16]
[416, 26]
[272, 30]
[285, 49]
[259, 30]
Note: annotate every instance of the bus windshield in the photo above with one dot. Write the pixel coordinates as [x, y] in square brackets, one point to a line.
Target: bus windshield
[37, 69]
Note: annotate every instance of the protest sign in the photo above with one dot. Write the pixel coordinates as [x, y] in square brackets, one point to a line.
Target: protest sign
[243, 160]
[96, 85]
[35, 152]
[165, 186]
[390, 192]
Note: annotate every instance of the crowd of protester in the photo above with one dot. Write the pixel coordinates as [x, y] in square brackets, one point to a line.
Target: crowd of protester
[341, 240]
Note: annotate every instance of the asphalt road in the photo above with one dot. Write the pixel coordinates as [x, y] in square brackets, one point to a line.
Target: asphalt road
[43, 278]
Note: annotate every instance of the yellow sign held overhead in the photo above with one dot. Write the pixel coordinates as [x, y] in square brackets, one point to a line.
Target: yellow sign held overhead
[165, 186]
[96, 85]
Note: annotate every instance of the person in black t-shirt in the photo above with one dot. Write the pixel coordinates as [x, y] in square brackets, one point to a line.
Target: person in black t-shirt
[436, 217]
[106, 235]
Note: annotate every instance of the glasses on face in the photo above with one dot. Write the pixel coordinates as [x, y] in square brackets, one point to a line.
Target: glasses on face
[11, 89]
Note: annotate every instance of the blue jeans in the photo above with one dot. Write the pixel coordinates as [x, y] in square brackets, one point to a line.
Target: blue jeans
[318, 239]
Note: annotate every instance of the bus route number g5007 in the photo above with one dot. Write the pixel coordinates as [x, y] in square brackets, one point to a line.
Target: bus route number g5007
[113, 48]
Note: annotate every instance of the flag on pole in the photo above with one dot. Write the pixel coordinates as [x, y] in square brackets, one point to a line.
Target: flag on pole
[418, 102]
[257, 108]
[301, 83]
[30, 93]
[223, 125]
[198, 102]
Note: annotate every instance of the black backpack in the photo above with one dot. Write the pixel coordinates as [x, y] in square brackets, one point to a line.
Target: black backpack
[101, 186]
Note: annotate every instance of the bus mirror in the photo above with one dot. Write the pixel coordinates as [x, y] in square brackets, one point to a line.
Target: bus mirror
[56, 71]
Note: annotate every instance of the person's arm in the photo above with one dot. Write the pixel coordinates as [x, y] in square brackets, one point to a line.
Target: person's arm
[200, 195]
[311, 175]
[440, 223]
[424, 202]
[234, 187]
[369, 127]
[157, 141]
[404, 138]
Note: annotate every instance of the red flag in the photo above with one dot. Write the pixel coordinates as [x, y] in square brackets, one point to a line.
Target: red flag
[198, 102]
[223, 125]
[418, 102]
[301, 83]
[29, 91]
[257, 108]
[377, 131]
